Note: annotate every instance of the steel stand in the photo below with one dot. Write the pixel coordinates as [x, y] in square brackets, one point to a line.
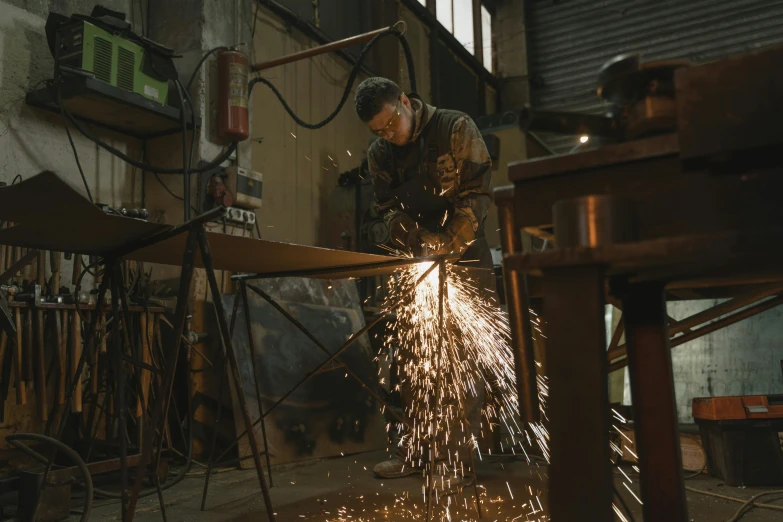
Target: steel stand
[436, 415]
[336, 354]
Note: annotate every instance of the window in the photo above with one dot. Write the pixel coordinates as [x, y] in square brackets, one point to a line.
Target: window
[463, 24]
[486, 37]
[444, 9]
[456, 16]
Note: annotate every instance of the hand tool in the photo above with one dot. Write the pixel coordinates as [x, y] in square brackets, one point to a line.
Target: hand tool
[77, 269]
[29, 369]
[59, 353]
[54, 262]
[91, 347]
[41, 265]
[40, 364]
[36, 360]
[146, 357]
[2, 253]
[6, 321]
[76, 353]
[5, 373]
[103, 332]
[21, 393]
[28, 268]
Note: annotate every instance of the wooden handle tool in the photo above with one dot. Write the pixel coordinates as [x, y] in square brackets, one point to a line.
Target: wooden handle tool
[21, 392]
[76, 353]
[40, 363]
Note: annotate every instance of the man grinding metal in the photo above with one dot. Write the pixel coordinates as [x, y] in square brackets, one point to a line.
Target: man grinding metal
[432, 178]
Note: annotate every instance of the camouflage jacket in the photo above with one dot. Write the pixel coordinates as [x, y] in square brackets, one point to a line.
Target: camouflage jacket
[439, 185]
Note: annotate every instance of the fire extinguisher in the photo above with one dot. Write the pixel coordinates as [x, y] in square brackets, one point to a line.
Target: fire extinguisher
[234, 124]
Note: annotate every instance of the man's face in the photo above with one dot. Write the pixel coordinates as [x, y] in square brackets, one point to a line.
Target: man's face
[394, 122]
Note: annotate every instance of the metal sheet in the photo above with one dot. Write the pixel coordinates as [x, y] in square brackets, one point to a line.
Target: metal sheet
[54, 215]
[246, 255]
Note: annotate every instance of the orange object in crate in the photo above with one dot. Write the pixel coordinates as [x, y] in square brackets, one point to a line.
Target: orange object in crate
[738, 408]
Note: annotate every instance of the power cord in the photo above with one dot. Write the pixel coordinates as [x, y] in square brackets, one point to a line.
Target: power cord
[73, 146]
[351, 79]
[138, 164]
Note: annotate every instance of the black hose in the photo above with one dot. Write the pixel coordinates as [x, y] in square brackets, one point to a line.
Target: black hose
[351, 79]
[85, 472]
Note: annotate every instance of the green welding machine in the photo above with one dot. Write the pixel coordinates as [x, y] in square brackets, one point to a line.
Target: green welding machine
[104, 46]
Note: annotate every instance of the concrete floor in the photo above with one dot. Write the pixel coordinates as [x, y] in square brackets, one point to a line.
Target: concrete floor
[344, 489]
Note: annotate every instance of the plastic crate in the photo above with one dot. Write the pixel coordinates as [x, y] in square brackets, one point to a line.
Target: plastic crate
[742, 438]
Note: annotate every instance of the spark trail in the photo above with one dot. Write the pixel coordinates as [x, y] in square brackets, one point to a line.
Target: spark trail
[473, 359]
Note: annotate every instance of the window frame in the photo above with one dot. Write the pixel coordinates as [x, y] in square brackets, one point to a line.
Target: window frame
[478, 29]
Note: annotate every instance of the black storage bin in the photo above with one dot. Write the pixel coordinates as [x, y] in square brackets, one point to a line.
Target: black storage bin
[744, 452]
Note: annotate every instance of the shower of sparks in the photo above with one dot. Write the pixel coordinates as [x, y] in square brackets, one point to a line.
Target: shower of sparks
[471, 354]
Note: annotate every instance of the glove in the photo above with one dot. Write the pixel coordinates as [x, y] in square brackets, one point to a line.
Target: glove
[403, 232]
[432, 244]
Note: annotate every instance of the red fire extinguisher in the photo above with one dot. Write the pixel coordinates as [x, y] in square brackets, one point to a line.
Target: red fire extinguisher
[234, 124]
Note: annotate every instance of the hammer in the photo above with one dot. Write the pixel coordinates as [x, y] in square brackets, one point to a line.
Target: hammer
[36, 365]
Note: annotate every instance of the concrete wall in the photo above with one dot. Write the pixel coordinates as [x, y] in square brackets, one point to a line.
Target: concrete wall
[511, 49]
[745, 358]
[32, 140]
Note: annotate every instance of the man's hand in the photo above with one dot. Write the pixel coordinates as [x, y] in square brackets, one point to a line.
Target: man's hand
[433, 244]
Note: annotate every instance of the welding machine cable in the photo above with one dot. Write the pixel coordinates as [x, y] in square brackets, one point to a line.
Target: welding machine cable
[351, 79]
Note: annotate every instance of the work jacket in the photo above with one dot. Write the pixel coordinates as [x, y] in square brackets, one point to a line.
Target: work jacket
[440, 182]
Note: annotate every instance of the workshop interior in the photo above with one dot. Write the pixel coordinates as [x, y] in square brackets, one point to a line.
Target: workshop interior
[381, 260]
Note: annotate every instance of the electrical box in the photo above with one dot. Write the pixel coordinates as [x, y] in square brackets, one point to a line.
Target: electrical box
[245, 185]
[241, 217]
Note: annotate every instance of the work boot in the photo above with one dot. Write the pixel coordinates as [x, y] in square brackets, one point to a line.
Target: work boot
[394, 468]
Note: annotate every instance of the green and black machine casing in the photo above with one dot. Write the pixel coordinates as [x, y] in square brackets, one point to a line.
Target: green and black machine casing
[104, 46]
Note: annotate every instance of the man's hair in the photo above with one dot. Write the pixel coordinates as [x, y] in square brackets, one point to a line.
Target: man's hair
[372, 94]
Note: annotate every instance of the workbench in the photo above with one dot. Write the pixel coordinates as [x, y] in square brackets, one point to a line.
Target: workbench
[703, 204]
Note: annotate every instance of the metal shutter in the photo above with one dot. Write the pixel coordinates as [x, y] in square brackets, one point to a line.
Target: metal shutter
[569, 40]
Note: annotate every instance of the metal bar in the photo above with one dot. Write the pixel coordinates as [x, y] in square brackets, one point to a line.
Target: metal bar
[211, 461]
[578, 394]
[251, 350]
[394, 263]
[160, 408]
[655, 413]
[714, 326]
[294, 321]
[23, 262]
[433, 422]
[119, 399]
[617, 335]
[724, 308]
[321, 49]
[567, 123]
[332, 357]
[518, 304]
[708, 315]
[206, 259]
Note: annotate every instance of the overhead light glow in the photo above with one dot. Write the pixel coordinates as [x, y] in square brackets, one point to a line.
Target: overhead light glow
[584, 139]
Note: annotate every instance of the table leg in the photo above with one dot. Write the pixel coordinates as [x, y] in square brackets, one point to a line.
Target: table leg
[655, 413]
[580, 478]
